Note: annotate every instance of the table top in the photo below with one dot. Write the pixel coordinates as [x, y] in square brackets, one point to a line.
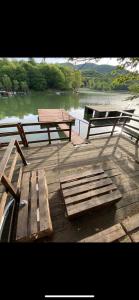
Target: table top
[108, 107]
[54, 116]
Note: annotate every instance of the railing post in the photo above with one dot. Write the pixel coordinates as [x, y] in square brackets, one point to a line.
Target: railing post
[22, 134]
[49, 137]
[70, 126]
[20, 152]
[88, 130]
[114, 126]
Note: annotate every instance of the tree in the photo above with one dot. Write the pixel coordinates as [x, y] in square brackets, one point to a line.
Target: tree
[15, 85]
[1, 85]
[7, 84]
[77, 81]
[23, 86]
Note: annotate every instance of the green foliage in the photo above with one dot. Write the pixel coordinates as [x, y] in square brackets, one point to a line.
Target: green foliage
[134, 88]
[38, 77]
[7, 84]
[77, 80]
[23, 86]
[15, 85]
[1, 85]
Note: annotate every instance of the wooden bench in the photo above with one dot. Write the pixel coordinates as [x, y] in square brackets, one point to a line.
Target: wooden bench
[31, 214]
[89, 190]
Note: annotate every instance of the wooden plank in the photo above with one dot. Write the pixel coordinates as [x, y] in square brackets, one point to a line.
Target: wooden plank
[85, 196]
[108, 235]
[22, 221]
[125, 239]
[76, 209]
[135, 237]
[86, 187]
[5, 194]
[33, 204]
[6, 157]
[76, 139]
[44, 212]
[54, 115]
[84, 180]
[81, 175]
[131, 223]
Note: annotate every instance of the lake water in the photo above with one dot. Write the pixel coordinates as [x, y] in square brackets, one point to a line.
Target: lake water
[24, 108]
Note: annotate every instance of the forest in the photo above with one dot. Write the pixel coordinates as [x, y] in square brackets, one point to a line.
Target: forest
[29, 75]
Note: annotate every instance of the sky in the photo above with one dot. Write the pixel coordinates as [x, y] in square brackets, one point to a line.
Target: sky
[109, 61]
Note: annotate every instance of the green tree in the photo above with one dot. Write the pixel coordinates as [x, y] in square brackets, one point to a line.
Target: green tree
[15, 85]
[7, 84]
[23, 86]
[77, 81]
[1, 85]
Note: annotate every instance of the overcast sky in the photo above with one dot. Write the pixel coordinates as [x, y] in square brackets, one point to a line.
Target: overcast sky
[110, 61]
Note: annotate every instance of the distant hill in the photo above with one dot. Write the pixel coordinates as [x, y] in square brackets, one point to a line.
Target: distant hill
[91, 67]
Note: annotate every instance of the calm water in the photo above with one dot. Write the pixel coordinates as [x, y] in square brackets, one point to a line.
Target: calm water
[24, 109]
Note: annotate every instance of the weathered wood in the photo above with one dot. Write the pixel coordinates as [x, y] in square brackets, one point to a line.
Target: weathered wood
[135, 237]
[45, 219]
[5, 194]
[91, 194]
[9, 186]
[87, 187]
[6, 157]
[20, 152]
[22, 222]
[76, 209]
[22, 134]
[84, 180]
[131, 223]
[82, 175]
[73, 136]
[33, 204]
[111, 234]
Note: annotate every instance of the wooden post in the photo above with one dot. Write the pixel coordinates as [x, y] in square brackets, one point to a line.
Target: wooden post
[70, 126]
[88, 130]
[20, 152]
[114, 126]
[22, 134]
[9, 186]
[49, 137]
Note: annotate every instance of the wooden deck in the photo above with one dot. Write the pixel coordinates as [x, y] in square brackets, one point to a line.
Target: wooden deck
[54, 115]
[116, 155]
[76, 139]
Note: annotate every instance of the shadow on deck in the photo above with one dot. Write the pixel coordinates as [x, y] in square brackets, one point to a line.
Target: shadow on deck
[117, 155]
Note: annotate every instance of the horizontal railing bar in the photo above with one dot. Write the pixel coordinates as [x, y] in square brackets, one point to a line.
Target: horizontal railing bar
[46, 123]
[9, 133]
[130, 126]
[45, 131]
[111, 118]
[98, 126]
[101, 133]
[8, 125]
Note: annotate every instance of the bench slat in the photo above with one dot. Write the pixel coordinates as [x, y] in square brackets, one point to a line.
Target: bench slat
[45, 220]
[22, 222]
[33, 205]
